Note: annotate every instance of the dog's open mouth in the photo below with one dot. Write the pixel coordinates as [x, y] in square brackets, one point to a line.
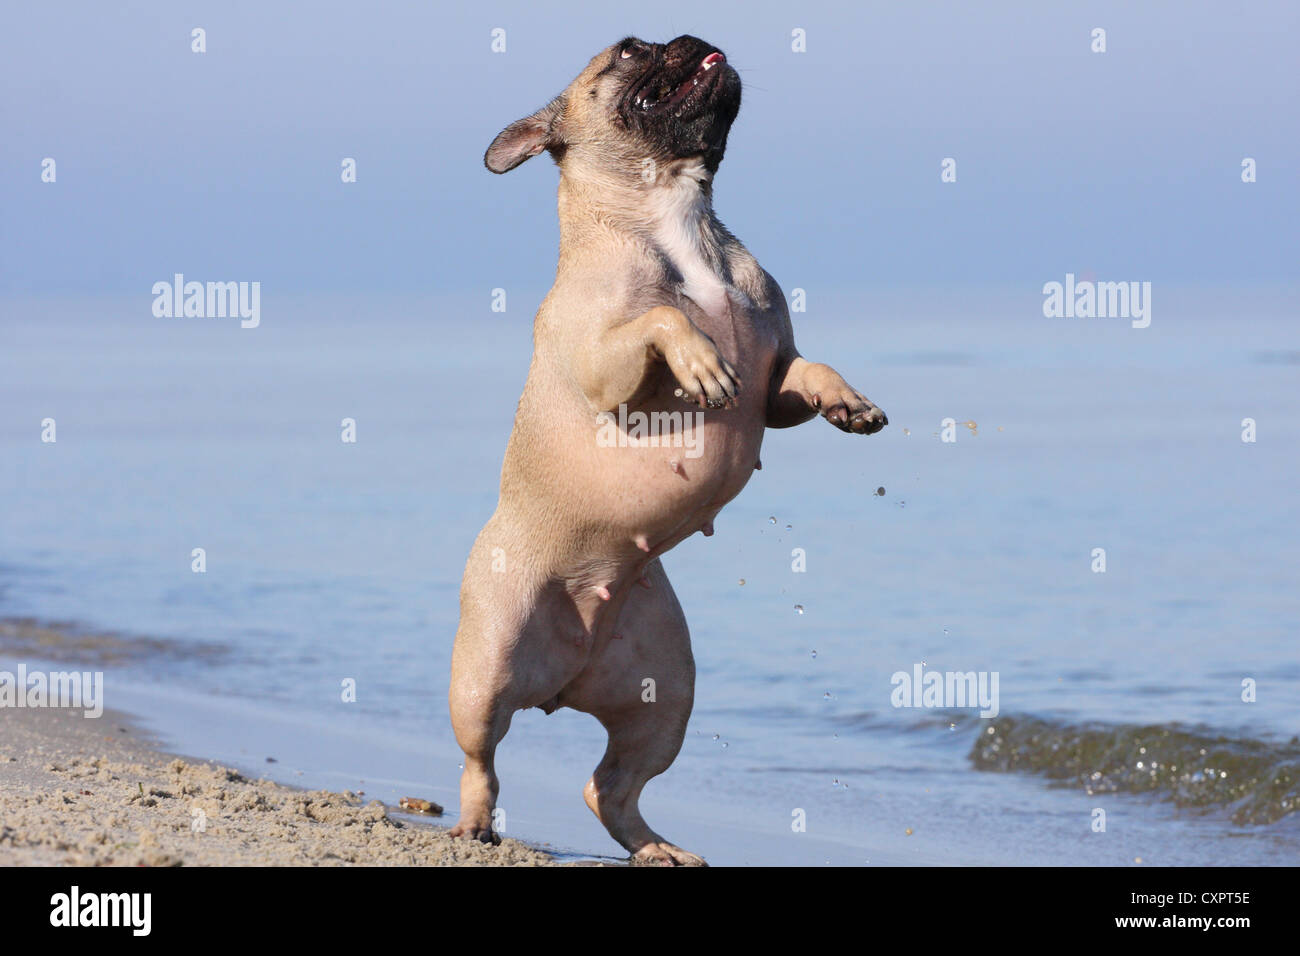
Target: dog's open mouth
[661, 93]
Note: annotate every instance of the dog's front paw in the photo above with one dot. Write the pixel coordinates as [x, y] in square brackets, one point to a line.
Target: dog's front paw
[850, 411]
[703, 376]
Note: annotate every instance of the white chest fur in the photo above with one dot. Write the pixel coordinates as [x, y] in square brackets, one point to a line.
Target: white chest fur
[678, 210]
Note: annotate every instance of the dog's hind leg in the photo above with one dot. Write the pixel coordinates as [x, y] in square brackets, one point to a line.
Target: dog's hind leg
[497, 668]
[641, 687]
[511, 653]
[484, 684]
[640, 747]
[479, 721]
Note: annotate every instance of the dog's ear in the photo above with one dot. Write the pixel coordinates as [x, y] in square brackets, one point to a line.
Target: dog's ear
[525, 138]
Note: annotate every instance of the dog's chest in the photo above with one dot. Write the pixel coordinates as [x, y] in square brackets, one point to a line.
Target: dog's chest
[717, 306]
[720, 308]
[680, 215]
[700, 281]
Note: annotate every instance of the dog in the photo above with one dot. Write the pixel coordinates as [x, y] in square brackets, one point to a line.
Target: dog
[657, 311]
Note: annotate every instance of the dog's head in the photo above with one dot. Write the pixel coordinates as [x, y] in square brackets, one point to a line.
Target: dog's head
[636, 104]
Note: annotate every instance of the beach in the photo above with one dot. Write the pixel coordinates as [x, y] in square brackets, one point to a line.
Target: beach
[78, 791]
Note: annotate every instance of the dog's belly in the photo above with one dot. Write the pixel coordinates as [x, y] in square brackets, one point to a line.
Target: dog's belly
[666, 472]
[634, 481]
[596, 496]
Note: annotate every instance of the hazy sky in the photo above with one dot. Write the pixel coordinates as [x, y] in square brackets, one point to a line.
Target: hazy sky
[226, 165]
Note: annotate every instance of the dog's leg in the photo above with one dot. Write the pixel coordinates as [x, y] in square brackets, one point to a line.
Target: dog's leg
[641, 688]
[641, 746]
[481, 705]
[506, 657]
[807, 388]
[617, 367]
[479, 721]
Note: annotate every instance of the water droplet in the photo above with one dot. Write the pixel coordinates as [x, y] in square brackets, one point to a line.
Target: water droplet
[908, 831]
[716, 736]
[880, 492]
[798, 608]
[725, 745]
[814, 654]
[789, 527]
[772, 520]
[827, 696]
[742, 582]
[835, 782]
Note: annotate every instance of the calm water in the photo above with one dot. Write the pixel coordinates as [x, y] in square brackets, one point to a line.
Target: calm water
[328, 560]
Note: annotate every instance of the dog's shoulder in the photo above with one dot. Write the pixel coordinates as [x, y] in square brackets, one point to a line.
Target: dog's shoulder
[602, 291]
[753, 280]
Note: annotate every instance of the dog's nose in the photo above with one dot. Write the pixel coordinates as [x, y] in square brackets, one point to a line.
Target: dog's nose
[686, 40]
[686, 49]
[687, 46]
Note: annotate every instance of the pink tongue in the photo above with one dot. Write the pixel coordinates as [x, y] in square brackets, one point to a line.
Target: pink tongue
[712, 58]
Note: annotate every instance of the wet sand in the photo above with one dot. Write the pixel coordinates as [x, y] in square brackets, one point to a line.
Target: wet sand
[95, 792]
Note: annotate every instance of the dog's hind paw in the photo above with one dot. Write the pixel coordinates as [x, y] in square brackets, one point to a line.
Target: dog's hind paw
[481, 834]
[665, 854]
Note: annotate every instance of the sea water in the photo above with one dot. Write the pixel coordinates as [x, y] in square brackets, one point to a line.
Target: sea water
[326, 561]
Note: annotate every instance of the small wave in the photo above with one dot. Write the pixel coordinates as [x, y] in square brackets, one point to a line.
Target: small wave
[1258, 780]
[69, 641]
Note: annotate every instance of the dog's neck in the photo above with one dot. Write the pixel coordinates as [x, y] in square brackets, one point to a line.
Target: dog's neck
[672, 213]
[679, 215]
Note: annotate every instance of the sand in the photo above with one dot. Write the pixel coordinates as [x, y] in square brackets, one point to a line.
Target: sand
[94, 792]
